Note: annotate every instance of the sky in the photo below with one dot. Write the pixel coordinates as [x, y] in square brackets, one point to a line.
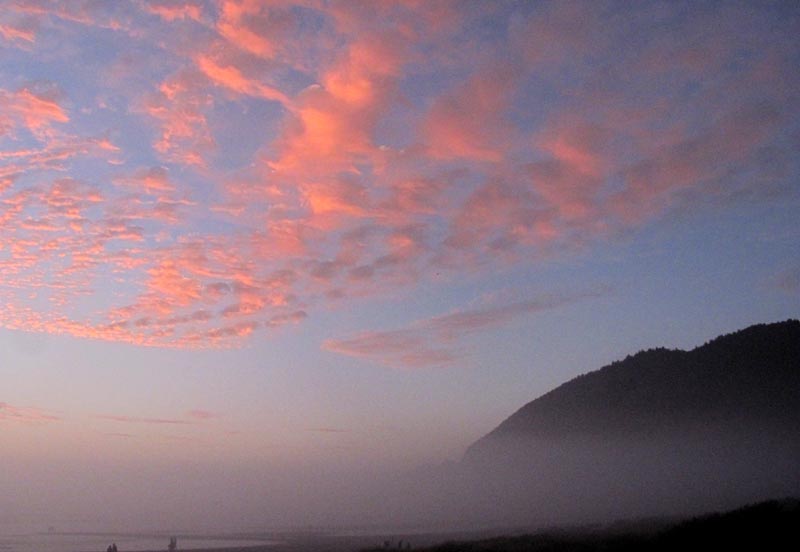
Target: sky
[248, 244]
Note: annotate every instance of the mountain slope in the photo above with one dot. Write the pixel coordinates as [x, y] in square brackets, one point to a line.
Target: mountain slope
[747, 379]
[662, 432]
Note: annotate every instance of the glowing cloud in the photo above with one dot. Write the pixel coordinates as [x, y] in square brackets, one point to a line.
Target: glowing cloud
[255, 161]
[25, 414]
[431, 342]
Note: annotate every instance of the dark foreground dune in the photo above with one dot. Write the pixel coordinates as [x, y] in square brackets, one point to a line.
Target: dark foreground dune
[773, 525]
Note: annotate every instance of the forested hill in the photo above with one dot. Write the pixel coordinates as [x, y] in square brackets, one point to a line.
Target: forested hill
[747, 378]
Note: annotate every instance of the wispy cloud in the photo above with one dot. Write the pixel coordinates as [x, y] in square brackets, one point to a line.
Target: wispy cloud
[788, 280]
[192, 417]
[198, 414]
[26, 414]
[33, 111]
[174, 10]
[137, 420]
[435, 341]
[120, 435]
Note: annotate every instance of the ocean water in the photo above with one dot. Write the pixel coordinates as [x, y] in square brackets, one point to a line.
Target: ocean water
[31, 541]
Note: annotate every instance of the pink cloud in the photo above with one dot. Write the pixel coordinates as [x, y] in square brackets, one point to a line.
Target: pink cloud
[232, 78]
[202, 414]
[406, 146]
[36, 112]
[136, 420]
[470, 121]
[154, 181]
[562, 32]
[12, 32]
[256, 28]
[403, 348]
[429, 342]
[172, 11]
[693, 163]
[290, 318]
[25, 414]
[121, 435]
[788, 280]
[179, 106]
[331, 125]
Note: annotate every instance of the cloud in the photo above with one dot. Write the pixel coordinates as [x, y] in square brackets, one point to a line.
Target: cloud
[179, 107]
[27, 109]
[258, 29]
[788, 280]
[172, 11]
[154, 181]
[469, 121]
[231, 77]
[272, 160]
[290, 318]
[202, 414]
[135, 420]
[15, 33]
[26, 414]
[392, 345]
[434, 341]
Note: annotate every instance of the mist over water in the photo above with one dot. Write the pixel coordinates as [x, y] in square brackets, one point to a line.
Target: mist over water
[17, 539]
[513, 482]
[662, 433]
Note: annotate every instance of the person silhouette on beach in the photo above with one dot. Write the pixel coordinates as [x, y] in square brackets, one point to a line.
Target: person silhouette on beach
[173, 544]
[114, 547]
